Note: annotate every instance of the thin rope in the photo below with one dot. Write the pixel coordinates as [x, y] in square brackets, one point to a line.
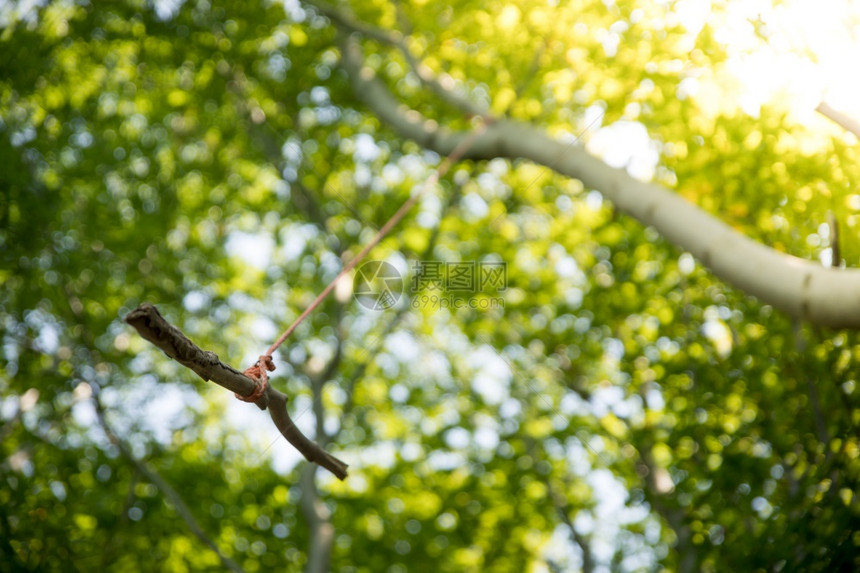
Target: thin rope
[257, 372]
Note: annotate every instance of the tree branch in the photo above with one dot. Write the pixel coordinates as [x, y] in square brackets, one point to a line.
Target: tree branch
[318, 517]
[656, 494]
[152, 326]
[155, 478]
[563, 511]
[800, 288]
[835, 246]
[840, 118]
[314, 509]
[318, 385]
[562, 508]
[442, 88]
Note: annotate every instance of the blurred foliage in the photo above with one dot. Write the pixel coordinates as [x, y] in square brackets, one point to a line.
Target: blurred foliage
[623, 410]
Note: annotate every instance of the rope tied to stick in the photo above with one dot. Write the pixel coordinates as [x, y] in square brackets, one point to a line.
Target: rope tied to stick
[259, 373]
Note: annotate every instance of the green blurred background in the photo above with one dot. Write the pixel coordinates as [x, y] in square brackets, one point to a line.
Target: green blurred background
[621, 410]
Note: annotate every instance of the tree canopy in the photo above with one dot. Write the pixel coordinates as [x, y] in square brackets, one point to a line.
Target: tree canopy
[610, 397]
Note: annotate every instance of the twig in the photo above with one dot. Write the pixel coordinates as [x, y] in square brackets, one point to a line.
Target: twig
[835, 247]
[155, 478]
[316, 513]
[398, 40]
[318, 385]
[676, 517]
[318, 517]
[534, 68]
[152, 326]
[562, 508]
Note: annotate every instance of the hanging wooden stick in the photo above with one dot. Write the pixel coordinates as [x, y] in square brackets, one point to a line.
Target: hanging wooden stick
[152, 326]
[252, 384]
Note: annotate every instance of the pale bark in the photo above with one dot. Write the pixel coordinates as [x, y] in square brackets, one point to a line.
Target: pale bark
[800, 288]
[841, 118]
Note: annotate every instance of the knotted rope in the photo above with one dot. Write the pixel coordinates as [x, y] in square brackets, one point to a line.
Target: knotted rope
[259, 373]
